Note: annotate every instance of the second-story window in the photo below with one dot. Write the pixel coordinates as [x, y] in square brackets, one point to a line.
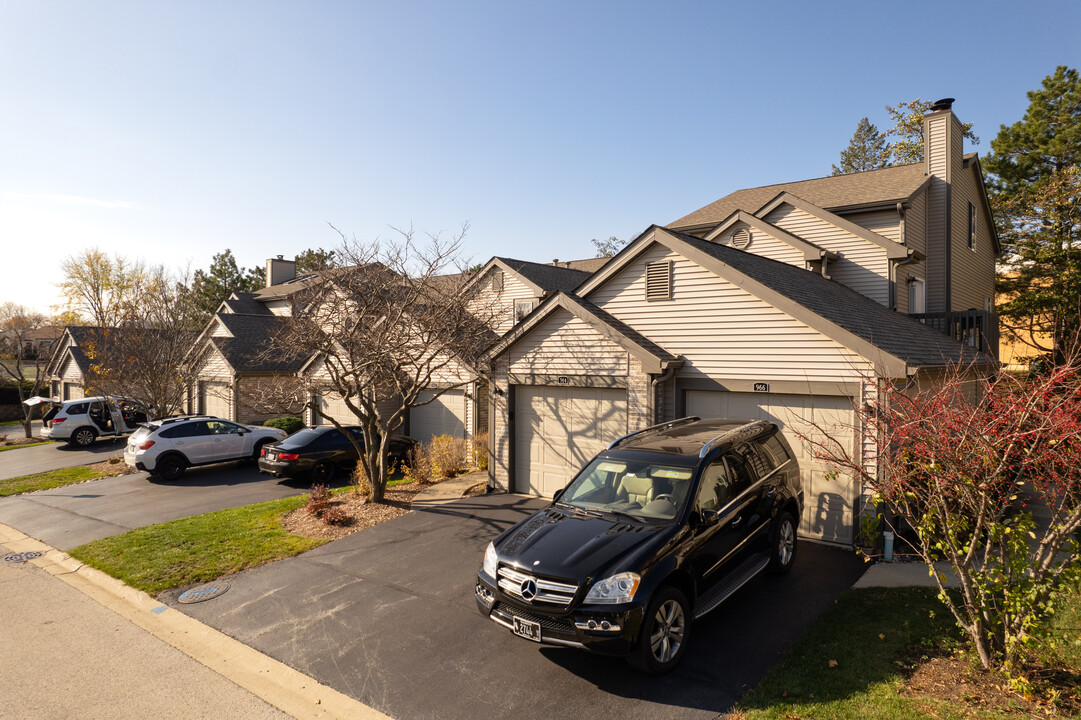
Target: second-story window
[522, 308]
[917, 302]
[971, 226]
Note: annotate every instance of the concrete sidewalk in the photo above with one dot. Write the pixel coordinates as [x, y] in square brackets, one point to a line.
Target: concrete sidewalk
[904, 574]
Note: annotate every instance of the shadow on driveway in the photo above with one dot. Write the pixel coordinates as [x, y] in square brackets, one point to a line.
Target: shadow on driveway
[387, 616]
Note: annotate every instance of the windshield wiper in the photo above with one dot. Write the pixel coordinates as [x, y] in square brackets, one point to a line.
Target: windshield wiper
[620, 513]
[577, 510]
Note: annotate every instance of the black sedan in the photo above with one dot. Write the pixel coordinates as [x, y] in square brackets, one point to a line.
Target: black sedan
[320, 453]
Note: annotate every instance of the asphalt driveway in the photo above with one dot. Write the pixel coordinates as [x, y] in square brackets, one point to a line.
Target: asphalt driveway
[56, 456]
[66, 517]
[387, 616]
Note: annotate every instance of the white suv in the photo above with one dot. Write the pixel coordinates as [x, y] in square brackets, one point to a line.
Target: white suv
[82, 421]
[168, 447]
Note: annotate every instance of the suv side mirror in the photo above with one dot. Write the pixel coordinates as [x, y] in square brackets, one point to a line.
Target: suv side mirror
[708, 517]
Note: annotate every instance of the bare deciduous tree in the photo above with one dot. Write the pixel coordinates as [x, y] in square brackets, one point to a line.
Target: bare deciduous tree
[388, 330]
[17, 353]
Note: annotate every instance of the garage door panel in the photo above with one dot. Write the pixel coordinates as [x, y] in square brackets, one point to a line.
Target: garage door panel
[331, 404]
[829, 497]
[558, 429]
[215, 398]
[445, 415]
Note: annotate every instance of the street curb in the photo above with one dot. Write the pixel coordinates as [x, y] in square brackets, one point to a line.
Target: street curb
[275, 682]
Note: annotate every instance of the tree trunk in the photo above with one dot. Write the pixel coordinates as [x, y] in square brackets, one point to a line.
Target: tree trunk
[27, 422]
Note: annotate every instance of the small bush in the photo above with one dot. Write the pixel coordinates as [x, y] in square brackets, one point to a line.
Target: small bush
[443, 457]
[480, 451]
[360, 480]
[335, 516]
[289, 424]
[318, 501]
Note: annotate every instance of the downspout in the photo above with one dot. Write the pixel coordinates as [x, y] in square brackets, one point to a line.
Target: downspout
[894, 264]
[669, 372]
[825, 262]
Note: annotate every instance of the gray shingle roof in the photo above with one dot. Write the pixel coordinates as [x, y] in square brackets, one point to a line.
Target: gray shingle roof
[246, 304]
[251, 334]
[830, 193]
[554, 278]
[893, 332]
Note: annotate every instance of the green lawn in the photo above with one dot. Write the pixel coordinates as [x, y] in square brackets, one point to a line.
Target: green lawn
[851, 663]
[200, 548]
[43, 481]
[26, 445]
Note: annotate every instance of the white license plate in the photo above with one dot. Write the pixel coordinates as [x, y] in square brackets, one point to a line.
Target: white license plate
[527, 629]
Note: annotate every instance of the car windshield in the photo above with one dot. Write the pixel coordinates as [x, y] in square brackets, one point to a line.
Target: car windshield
[643, 489]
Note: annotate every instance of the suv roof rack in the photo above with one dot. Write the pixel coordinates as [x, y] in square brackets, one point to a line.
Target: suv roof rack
[654, 428]
[747, 430]
[177, 418]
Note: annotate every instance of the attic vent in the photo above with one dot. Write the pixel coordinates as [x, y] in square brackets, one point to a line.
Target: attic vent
[659, 280]
[497, 281]
[741, 238]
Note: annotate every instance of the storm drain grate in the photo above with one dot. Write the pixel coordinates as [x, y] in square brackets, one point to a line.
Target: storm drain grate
[203, 593]
[22, 557]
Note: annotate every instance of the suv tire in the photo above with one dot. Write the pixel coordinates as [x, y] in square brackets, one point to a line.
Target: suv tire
[83, 437]
[259, 450]
[662, 639]
[170, 467]
[782, 544]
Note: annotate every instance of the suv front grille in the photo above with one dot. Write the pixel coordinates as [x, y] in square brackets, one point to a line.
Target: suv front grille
[551, 624]
[512, 582]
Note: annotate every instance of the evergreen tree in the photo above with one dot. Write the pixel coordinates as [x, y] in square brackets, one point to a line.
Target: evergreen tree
[209, 288]
[1035, 186]
[867, 150]
[314, 259]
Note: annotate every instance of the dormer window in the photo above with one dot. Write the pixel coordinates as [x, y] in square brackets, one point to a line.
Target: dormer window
[522, 308]
[659, 280]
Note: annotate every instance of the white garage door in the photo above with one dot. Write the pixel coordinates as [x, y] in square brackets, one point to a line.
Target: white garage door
[215, 399]
[828, 512]
[446, 415]
[73, 392]
[331, 404]
[558, 429]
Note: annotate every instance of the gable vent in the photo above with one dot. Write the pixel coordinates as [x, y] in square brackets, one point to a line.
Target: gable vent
[741, 238]
[659, 280]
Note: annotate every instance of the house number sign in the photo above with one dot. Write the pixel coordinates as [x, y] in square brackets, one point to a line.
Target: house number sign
[563, 380]
[761, 387]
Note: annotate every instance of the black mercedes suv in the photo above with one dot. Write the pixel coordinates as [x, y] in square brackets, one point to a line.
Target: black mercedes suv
[657, 530]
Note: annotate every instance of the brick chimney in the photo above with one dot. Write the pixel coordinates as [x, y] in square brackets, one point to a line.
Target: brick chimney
[280, 270]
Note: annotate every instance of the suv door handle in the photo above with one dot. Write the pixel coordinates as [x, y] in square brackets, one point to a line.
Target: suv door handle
[735, 523]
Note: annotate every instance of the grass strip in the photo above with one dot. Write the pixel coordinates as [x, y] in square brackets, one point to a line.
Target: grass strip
[46, 480]
[200, 548]
[26, 445]
[846, 664]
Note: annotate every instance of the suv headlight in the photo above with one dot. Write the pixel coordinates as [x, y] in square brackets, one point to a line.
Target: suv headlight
[491, 561]
[619, 588]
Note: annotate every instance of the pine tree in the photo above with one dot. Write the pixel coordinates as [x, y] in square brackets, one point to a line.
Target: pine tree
[1035, 185]
[867, 150]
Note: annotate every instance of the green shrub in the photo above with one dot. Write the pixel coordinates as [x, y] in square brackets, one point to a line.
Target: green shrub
[289, 424]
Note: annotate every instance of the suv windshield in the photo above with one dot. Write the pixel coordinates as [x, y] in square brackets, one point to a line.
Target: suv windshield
[639, 488]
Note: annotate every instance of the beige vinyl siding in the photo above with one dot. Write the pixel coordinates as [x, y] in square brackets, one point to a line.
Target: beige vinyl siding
[973, 272]
[886, 223]
[916, 224]
[564, 345]
[722, 330]
[70, 372]
[487, 304]
[766, 246]
[862, 265]
[219, 330]
[937, 138]
[214, 366]
[283, 308]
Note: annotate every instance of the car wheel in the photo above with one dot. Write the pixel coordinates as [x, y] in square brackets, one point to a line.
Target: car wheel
[259, 449]
[170, 467]
[323, 472]
[783, 544]
[662, 639]
[83, 437]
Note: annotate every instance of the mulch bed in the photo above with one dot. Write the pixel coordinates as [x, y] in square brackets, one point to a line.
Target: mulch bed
[957, 679]
[11, 441]
[111, 468]
[359, 512]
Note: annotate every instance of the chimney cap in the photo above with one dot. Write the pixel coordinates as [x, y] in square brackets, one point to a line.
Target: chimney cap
[943, 104]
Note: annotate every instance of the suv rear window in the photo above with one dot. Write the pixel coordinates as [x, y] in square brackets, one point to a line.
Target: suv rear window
[77, 409]
[774, 452]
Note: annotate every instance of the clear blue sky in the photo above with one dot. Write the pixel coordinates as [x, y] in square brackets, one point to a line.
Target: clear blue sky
[169, 131]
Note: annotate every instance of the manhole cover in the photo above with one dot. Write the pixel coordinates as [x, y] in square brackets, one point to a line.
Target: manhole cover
[203, 593]
[22, 557]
